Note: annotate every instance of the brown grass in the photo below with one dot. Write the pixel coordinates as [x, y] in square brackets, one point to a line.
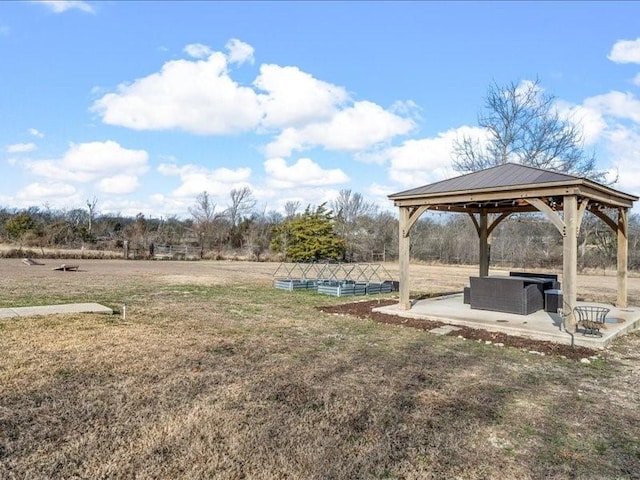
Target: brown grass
[214, 374]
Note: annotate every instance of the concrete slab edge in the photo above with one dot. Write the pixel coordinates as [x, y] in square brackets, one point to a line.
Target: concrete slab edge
[563, 337]
[66, 308]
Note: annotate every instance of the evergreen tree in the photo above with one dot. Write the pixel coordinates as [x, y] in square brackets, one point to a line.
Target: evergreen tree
[18, 226]
[308, 237]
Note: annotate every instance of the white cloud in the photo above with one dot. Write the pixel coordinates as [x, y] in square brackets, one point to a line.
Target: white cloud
[239, 52]
[624, 148]
[86, 162]
[377, 194]
[304, 172]
[375, 155]
[37, 192]
[616, 117]
[295, 98]
[199, 96]
[407, 108]
[359, 127]
[588, 119]
[119, 184]
[196, 179]
[305, 196]
[35, 133]
[526, 86]
[592, 123]
[377, 190]
[423, 161]
[131, 207]
[636, 80]
[288, 141]
[195, 96]
[625, 51]
[21, 148]
[616, 104]
[169, 205]
[198, 50]
[61, 6]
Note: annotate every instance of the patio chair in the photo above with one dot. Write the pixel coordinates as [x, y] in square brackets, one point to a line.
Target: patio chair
[591, 318]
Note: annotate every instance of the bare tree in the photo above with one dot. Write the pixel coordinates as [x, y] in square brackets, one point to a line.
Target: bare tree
[524, 126]
[204, 217]
[137, 237]
[291, 208]
[349, 206]
[259, 228]
[242, 203]
[351, 211]
[91, 206]
[240, 208]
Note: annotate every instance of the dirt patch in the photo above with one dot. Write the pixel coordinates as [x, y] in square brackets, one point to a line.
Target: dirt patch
[363, 309]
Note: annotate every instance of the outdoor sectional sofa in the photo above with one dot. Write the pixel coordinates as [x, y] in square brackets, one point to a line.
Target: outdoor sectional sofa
[552, 276]
[520, 295]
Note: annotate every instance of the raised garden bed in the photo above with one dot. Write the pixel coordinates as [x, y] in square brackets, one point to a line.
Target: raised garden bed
[335, 279]
[291, 284]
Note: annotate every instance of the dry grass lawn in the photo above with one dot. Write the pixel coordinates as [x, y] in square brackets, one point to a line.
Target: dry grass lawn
[215, 374]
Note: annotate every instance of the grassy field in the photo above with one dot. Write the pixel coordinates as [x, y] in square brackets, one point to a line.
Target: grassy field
[215, 374]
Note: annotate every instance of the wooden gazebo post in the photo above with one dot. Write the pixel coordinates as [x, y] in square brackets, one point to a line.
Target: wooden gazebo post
[623, 246]
[483, 233]
[569, 259]
[403, 257]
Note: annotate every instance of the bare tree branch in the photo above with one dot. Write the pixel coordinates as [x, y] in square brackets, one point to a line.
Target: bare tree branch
[524, 127]
[242, 203]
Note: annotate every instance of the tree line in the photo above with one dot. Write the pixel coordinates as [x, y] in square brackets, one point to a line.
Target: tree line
[522, 125]
[346, 229]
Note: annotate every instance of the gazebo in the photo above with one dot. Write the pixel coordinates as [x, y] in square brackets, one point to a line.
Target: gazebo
[492, 195]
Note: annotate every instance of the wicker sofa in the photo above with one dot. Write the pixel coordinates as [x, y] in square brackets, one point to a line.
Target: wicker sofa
[521, 295]
[552, 276]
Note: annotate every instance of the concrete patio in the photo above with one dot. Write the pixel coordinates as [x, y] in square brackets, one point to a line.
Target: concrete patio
[540, 325]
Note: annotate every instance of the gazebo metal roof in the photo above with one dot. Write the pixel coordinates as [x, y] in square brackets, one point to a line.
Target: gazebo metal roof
[506, 175]
[501, 188]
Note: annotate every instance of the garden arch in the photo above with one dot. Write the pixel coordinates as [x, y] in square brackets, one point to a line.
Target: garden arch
[490, 196]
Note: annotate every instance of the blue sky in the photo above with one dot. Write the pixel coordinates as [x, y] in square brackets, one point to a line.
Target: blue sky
[144, 105]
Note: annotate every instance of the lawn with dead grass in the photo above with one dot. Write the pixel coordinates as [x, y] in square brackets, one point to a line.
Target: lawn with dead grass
[215, 374]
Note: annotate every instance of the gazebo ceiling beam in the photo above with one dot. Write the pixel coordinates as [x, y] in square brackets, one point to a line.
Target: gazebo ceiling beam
[504, 190]
[584, 203]
[604, 217]
[470, 197]
[414, 215]
[490, 225]
[475, 197]
[550, 213]
[605, 199]
[475, 222]
[497, 221]
[477, 208]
